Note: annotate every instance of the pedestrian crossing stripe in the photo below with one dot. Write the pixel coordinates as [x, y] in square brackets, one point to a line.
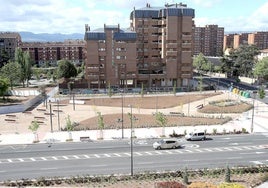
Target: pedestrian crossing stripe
[137, 154]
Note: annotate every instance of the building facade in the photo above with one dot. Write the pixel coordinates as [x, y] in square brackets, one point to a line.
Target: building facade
[260, 39]
[208, 40]
[51, 52]
[155, 52]
[9, 41]
[111, 57]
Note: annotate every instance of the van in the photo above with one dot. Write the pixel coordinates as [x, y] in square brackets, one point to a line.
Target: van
[166, 144]
[195, 136]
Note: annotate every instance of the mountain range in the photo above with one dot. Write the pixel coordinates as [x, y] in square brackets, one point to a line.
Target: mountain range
[46, 37]
[59, 37]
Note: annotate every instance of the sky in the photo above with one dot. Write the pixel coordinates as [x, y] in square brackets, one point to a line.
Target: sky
[70, 16]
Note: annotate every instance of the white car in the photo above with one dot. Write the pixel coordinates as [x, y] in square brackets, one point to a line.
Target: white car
[166, 144]
[196, 136]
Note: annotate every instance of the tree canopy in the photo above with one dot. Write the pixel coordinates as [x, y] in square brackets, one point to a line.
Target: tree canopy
[11, 71]
[24, 60]
[3, 87]
[66, 69]
[261, 69]
[240, 61]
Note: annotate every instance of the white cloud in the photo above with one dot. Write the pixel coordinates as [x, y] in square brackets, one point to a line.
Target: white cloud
[68, 16]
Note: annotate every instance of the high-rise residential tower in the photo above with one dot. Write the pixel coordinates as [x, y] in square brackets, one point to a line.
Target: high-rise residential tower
[156, 51]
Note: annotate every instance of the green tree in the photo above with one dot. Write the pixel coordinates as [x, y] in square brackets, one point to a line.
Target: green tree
[28, 67]
[66, 69]
[24, 60]
[69, 124]
[4, 57]
[100, 124]
[200, 62]
[161, 120]
[261, 69]
[34, 127]
[11, 71]
[3, 87]
[240, 61]
[262, 92]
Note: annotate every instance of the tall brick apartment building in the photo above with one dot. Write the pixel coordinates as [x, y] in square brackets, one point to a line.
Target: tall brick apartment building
[208, 40]
[9, 41]
[51, 52]
[155, 52]
[260, 39]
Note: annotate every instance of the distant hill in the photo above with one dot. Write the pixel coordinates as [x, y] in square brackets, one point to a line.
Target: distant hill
[46, 37]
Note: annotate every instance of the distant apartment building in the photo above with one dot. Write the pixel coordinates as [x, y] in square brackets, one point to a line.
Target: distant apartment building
[235, 40]
[260, 39]
[51, 52]
[155, 52]
[9, 41]
[208, 40]
[228, 41]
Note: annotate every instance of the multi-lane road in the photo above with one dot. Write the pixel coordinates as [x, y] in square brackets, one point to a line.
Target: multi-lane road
[113, 157]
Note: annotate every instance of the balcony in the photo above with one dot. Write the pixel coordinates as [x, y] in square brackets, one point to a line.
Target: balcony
[172, 45]
[187, 37]
[171, 53]
[186, 45]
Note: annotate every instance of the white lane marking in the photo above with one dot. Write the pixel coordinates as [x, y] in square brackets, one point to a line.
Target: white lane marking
[169, 152]
[128, 154]
[208, 150]
[138, 153]
[158, 152]
[86, 156]
[228, 149]
[76, 157]
[237, 148]
[199, 150]
[97, 156]
[107, 155]
[55, 158]
[178, 151]
[116, 154]
[218, 149]
[43, 158]
[188, 151]
[32, 159]
[65, 157]
[9, 160]
[21, 160]
[234, 158]
[148, 153]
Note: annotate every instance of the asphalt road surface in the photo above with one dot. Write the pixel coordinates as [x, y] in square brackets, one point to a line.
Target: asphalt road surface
[113, 157]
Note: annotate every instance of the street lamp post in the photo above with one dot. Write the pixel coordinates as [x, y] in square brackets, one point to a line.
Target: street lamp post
[122, 120]
[50, 115]
[58, 104]
[131, 142]
[252, 119]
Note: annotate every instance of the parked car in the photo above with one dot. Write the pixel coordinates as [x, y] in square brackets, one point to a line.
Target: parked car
[196, 136]
[166, 144]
